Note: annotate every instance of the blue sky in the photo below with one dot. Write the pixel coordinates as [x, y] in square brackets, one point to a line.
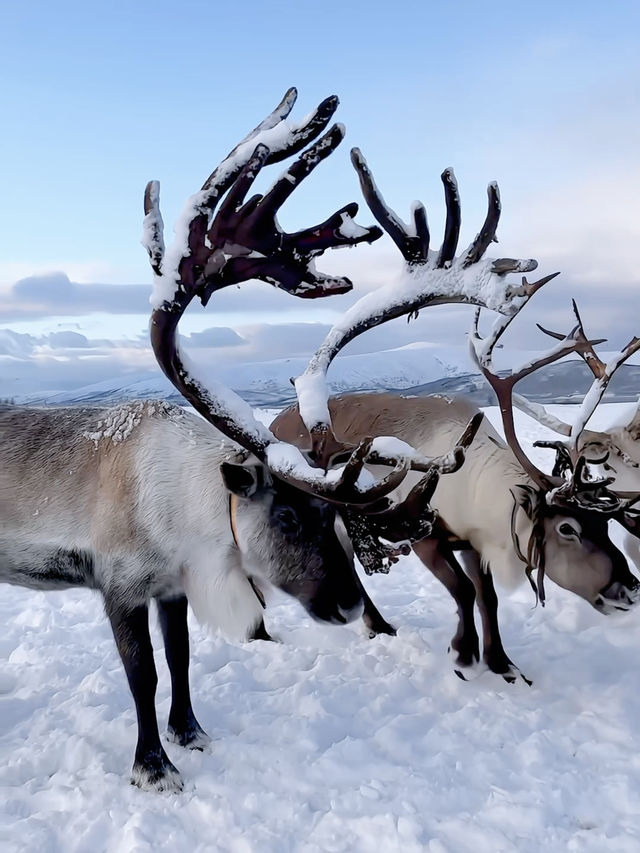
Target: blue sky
[99, 98]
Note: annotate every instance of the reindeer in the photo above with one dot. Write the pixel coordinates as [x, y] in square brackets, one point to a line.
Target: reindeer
[616, 451]
[146, 501]
[498, 499]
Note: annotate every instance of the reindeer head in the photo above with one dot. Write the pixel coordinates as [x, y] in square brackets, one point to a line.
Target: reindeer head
[570, 509]
[287, 538]
[573, 548]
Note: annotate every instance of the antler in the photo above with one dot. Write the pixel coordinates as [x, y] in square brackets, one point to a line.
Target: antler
[380, 538]
[242, 241]
[580, 489]
[482, 352]
[430, 278]
[602, 373]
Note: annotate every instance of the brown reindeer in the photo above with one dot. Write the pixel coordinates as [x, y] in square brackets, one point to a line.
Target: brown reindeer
[499, 512]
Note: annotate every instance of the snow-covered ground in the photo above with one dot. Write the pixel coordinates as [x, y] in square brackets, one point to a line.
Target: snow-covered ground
[330, 741]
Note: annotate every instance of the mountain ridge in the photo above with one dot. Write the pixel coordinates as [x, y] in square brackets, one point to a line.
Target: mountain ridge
[414, 369]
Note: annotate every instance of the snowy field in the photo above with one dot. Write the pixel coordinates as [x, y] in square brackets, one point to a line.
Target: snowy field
[330, 741]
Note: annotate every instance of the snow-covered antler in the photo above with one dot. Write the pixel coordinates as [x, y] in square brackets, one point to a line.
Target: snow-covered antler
[602, 373]
[429, 278]
[579, 490]
[581, 439]
[380, 538]
[243, 241]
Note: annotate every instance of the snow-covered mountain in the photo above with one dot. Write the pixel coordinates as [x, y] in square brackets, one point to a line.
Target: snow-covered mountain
[268, 382]
[420, 368]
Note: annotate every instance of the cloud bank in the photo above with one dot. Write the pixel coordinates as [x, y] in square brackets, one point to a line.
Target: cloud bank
[565, 226]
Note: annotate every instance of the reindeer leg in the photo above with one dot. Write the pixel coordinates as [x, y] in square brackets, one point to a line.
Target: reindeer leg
[441, 562]
[493, 653]
[183, 727]
[371, 616]
[152, 769]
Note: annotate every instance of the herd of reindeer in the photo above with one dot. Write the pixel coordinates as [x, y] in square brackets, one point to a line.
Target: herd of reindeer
[147, 500]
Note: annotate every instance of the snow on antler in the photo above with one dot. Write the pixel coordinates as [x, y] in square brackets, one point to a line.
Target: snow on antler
[602, 373]
[280, 137]
[240, 241]
[428, 278]
[580, 489]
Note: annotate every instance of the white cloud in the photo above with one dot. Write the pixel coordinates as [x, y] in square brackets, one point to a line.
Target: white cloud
[54, 294]
[218, 336]
[84, 273]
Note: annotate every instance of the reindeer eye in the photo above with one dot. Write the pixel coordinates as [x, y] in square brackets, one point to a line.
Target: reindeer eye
[568, 531]
[288, 520]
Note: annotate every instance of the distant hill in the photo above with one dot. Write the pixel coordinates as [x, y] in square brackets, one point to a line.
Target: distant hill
[414, 369]
[557, 383]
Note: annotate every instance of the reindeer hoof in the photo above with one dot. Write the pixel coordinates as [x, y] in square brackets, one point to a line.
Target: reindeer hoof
[379, 626]
[190, 737]
[465, 655]
[466, 662]
[468, 672]
[512, 674]
[390, 631]
[155, 772]
[501, 665]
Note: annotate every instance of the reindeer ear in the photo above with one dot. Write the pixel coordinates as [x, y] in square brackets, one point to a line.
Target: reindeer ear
[526, 497]
[241, 480]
